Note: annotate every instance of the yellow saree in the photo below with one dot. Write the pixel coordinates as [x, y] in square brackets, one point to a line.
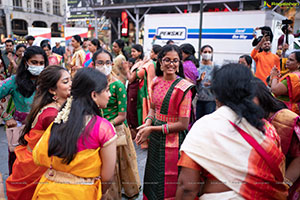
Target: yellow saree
[77, 180]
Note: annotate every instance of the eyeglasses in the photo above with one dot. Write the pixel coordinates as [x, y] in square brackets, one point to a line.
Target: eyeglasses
[101, 63]
[168, 61]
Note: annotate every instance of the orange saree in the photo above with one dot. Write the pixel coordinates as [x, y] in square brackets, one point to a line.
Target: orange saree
[293, 85]
[26, 174]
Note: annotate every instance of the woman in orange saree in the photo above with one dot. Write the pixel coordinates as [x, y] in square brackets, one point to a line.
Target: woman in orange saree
[287, 89]
[54, 86]
[79, 147]
[287, 124]
[232, 153]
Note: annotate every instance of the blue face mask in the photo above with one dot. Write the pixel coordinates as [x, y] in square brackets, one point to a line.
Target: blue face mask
[35, 70]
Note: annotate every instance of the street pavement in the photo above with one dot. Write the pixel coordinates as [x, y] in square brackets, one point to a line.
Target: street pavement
[141, 158]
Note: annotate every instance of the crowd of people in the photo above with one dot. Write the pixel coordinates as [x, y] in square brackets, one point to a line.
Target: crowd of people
[211, 132]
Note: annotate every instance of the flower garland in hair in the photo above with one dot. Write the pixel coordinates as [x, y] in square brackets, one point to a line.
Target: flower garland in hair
[63, 115]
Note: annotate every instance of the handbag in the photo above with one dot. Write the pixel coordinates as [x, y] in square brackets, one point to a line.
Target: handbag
[13, 134]
[121, 133]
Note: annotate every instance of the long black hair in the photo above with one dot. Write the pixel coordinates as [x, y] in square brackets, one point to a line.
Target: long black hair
[165, 49]
[247, 58]
[19, 46]
[139, 48]
[96, 43]
[266, 100]
[121, 45]
[297, 56]
[64, 136]
[94, 58]
[233, 86]
[23, 78]
[189, 50]
[156, 49]
[47, 80]
[77, 38]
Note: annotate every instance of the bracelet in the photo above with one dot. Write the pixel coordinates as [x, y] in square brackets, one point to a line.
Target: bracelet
[165, 128]
[288, 182]
[113, 122]
[149, 117]
[8, 117]
[3, 111]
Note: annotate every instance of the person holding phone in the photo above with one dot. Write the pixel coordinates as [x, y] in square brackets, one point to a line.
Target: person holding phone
[264, 60]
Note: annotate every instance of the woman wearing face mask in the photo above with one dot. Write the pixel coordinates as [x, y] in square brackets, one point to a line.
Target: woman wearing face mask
[94, 45]
[78, 57]
[287, 88]
[54, 85]
[14, 61]
[205, 99]
[53, 58]
[22, 87]
[190, 63]
[126, 171]
[79, 147]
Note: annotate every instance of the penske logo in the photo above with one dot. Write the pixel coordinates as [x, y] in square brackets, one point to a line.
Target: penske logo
[172, 33]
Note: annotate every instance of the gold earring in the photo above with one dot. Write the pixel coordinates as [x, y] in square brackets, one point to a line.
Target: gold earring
[55, 98]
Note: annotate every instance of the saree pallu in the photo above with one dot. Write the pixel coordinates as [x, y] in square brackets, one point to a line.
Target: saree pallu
[126, 171]
[132, 92]
[286, 124]
[85, 165]
[161, 173]
[293, 86]
[132, 99]
[144, 97]
[214, 144]
[22, 183]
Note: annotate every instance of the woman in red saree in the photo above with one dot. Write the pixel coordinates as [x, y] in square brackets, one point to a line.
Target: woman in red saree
[287, 88]
[54, 86]
[287, 124]
[232, 153]
[166, 124]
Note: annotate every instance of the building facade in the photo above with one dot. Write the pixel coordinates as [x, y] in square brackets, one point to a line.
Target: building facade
[18, 15]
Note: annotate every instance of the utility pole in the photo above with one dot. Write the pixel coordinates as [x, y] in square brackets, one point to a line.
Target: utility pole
[200, 28]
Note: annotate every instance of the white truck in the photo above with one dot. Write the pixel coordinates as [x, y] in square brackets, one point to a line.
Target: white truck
[229, 33]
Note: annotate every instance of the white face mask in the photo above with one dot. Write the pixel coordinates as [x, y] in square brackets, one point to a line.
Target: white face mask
[35, 70]
[105, 69]
[206, 56]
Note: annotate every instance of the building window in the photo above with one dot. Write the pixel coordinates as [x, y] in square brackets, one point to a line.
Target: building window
[56, 7]
[38, 5]
[47, 7]
[28, 5]
[17, 4]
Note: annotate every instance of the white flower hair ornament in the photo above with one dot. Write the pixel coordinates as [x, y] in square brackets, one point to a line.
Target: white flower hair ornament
[63, 115]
